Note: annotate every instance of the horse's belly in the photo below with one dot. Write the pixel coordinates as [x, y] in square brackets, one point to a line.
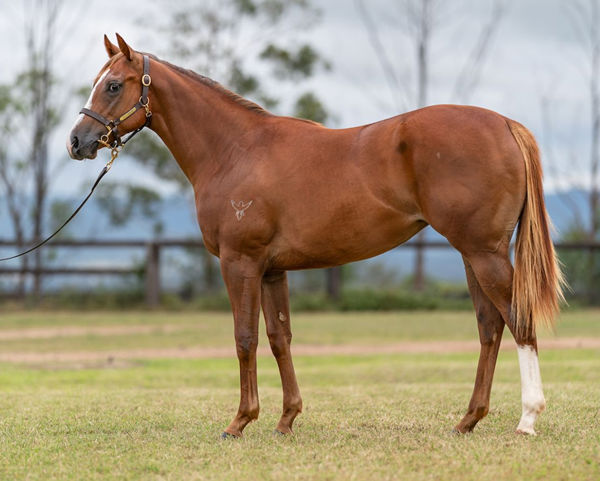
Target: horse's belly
[343, 240]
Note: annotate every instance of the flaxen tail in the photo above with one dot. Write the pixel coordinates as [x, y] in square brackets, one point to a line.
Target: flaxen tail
[538, 281]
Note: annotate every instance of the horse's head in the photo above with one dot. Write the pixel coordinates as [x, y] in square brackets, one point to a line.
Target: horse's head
[111, 109]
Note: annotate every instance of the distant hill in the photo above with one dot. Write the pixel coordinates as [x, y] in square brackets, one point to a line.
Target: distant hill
[178, 220]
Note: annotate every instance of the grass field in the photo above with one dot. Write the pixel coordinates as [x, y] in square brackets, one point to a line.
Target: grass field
[366, 416]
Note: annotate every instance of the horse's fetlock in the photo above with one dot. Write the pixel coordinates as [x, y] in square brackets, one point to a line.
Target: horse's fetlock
[295, 404]
[535, 405]
[252, 413]
[481, 411]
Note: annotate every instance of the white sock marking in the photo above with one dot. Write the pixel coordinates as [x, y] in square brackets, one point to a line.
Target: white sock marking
[532, 395]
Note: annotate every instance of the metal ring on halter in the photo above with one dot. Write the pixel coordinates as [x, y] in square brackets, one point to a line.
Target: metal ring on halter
[146, 106]
[146, 80]
[104, 139]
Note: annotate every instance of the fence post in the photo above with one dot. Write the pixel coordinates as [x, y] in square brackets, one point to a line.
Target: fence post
[152, 274]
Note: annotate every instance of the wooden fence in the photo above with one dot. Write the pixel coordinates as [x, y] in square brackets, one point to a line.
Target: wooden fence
[154, 248]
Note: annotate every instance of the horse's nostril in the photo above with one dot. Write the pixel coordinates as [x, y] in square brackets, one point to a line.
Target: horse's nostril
[74, 142]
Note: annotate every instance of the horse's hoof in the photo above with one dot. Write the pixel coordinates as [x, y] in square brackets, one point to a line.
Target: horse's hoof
[279, 433]
[227, 435]
[526, 432]
[456, 430]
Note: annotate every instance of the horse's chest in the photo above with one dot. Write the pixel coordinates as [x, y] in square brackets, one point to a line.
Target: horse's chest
[234, 225]
[208, 223]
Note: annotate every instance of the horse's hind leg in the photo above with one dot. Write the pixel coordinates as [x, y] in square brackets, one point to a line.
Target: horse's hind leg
[490, 325]
[494, 273]
[275, 304]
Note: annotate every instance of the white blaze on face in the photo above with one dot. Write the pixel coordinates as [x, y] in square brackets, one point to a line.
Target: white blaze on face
[532, 395]
[88, 104]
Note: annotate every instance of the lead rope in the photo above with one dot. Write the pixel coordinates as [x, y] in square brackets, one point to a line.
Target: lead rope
[113, 155]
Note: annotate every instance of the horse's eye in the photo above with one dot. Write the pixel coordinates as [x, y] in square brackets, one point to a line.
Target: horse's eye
[114, 87]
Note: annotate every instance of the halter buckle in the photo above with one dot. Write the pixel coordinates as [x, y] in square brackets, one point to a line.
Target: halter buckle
[104, 139]
[114, 153]
[146, 80]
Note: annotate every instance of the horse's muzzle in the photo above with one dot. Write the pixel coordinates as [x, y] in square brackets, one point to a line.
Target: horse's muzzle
[79, 151]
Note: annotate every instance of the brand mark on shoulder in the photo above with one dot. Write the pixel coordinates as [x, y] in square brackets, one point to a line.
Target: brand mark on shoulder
[240, 208]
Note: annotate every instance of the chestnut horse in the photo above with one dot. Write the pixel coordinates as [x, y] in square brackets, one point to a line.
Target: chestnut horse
[276, 193]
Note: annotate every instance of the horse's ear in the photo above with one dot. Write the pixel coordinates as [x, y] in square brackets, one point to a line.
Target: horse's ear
[127, 51]
[111, 48]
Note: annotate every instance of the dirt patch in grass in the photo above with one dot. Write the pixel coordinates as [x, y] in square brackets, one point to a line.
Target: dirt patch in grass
[81, 331]
[118, 358]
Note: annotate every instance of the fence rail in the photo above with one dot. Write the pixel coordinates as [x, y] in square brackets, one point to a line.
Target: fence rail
[153, 254]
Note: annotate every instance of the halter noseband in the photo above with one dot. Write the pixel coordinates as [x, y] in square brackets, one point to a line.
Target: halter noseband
[112, 125]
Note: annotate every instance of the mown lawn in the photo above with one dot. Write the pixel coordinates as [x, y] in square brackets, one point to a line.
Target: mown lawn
[365, 417]
[187, 329]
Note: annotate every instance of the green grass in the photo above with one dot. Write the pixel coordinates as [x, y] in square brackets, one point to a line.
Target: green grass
[365, 417]
[216, 329]
[368, 417]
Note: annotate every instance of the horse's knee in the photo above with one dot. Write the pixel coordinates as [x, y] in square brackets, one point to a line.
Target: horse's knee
[280, 343]
[245, 347]
[277, 347]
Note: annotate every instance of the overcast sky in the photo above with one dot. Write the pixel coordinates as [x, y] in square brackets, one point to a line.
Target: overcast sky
[536, 52]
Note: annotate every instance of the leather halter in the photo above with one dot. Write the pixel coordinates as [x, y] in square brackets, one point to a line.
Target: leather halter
[115, 146]
[113, 125]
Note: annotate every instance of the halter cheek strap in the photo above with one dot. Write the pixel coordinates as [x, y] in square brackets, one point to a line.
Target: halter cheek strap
[113, 125]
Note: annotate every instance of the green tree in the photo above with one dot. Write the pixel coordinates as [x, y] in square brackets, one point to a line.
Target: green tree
[308, 106]
[28, 117]
[13, 169]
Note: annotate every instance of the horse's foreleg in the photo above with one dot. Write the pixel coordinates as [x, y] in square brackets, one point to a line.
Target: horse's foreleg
[243, 279]
[490, 325]
[275, 304]
[494, 273]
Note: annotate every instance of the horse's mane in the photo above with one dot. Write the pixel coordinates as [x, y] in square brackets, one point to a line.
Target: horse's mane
[238, 99]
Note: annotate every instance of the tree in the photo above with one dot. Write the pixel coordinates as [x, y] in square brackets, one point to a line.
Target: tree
[222, 38]
[30, 104]
[585, 18]
[421, 22]
[12, 173]
[582, 268]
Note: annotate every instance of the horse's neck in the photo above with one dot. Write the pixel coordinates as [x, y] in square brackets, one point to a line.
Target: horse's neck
[197, 122]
